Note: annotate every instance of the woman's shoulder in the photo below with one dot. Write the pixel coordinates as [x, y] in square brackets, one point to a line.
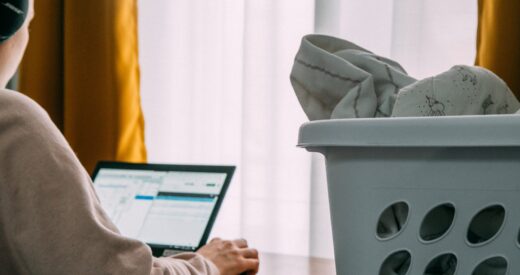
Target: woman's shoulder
[17, 99]
[17, 106]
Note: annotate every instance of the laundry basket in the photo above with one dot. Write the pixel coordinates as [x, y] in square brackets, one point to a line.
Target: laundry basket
[465, 166]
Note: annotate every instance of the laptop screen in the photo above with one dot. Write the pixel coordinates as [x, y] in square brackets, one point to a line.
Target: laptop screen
[170, 209]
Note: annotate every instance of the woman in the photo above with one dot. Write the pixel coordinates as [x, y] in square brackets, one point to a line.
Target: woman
[51, 221]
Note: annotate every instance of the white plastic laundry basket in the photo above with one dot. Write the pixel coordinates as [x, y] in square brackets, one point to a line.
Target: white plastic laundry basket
[467, 166]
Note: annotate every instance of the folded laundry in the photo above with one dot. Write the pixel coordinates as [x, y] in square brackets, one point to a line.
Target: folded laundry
[334, 78]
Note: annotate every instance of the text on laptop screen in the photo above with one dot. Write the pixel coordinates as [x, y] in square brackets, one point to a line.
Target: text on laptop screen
[160, 207]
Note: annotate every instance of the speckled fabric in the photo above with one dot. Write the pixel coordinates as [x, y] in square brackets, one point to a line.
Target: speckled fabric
[462, 90]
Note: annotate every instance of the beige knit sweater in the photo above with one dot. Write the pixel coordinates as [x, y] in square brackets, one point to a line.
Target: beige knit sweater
[51, 221]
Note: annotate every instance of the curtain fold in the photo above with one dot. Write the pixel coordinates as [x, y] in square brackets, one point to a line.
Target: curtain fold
[82, 66]
[498, 40]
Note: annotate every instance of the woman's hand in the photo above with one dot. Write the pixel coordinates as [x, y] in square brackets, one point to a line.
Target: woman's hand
[231, 257]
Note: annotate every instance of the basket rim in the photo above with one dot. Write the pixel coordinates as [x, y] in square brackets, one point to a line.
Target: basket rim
[448, 131]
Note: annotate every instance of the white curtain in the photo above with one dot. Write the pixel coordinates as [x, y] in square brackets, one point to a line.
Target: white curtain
[215, 89]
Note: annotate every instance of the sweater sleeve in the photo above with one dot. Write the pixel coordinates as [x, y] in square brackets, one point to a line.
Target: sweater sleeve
[50, 217]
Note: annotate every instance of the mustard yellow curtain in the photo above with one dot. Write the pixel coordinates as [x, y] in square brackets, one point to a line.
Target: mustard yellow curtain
[498, 40]
[82, 66]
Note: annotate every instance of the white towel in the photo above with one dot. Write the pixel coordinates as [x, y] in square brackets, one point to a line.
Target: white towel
[334, 78]
[462, 90]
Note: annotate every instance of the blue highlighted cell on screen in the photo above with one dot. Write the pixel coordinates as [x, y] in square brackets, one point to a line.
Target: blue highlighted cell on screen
[185, 198]
[141, 197]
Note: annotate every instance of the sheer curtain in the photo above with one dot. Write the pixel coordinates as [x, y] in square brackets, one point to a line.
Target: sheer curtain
[215, 89]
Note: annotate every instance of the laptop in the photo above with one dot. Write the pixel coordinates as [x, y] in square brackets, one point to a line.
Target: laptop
[171, 208]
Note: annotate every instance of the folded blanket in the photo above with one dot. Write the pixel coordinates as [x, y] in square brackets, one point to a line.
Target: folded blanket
[334, 78]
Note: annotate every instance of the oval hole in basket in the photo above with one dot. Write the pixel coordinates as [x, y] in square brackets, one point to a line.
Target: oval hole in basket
[392, 220]
[518, 238]
[398, 263]
[445, 264]
[494, 265]
[437, 222]
[486, 224]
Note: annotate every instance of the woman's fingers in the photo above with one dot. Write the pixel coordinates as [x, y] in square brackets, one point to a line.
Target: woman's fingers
[215, 240]
[240, 243]
[251, 265]
[249, 253]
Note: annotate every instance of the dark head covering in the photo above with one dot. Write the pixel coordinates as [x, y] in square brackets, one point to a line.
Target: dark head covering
[12, 17]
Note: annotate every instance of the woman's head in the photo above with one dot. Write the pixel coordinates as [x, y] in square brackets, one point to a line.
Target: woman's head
[12, 46]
